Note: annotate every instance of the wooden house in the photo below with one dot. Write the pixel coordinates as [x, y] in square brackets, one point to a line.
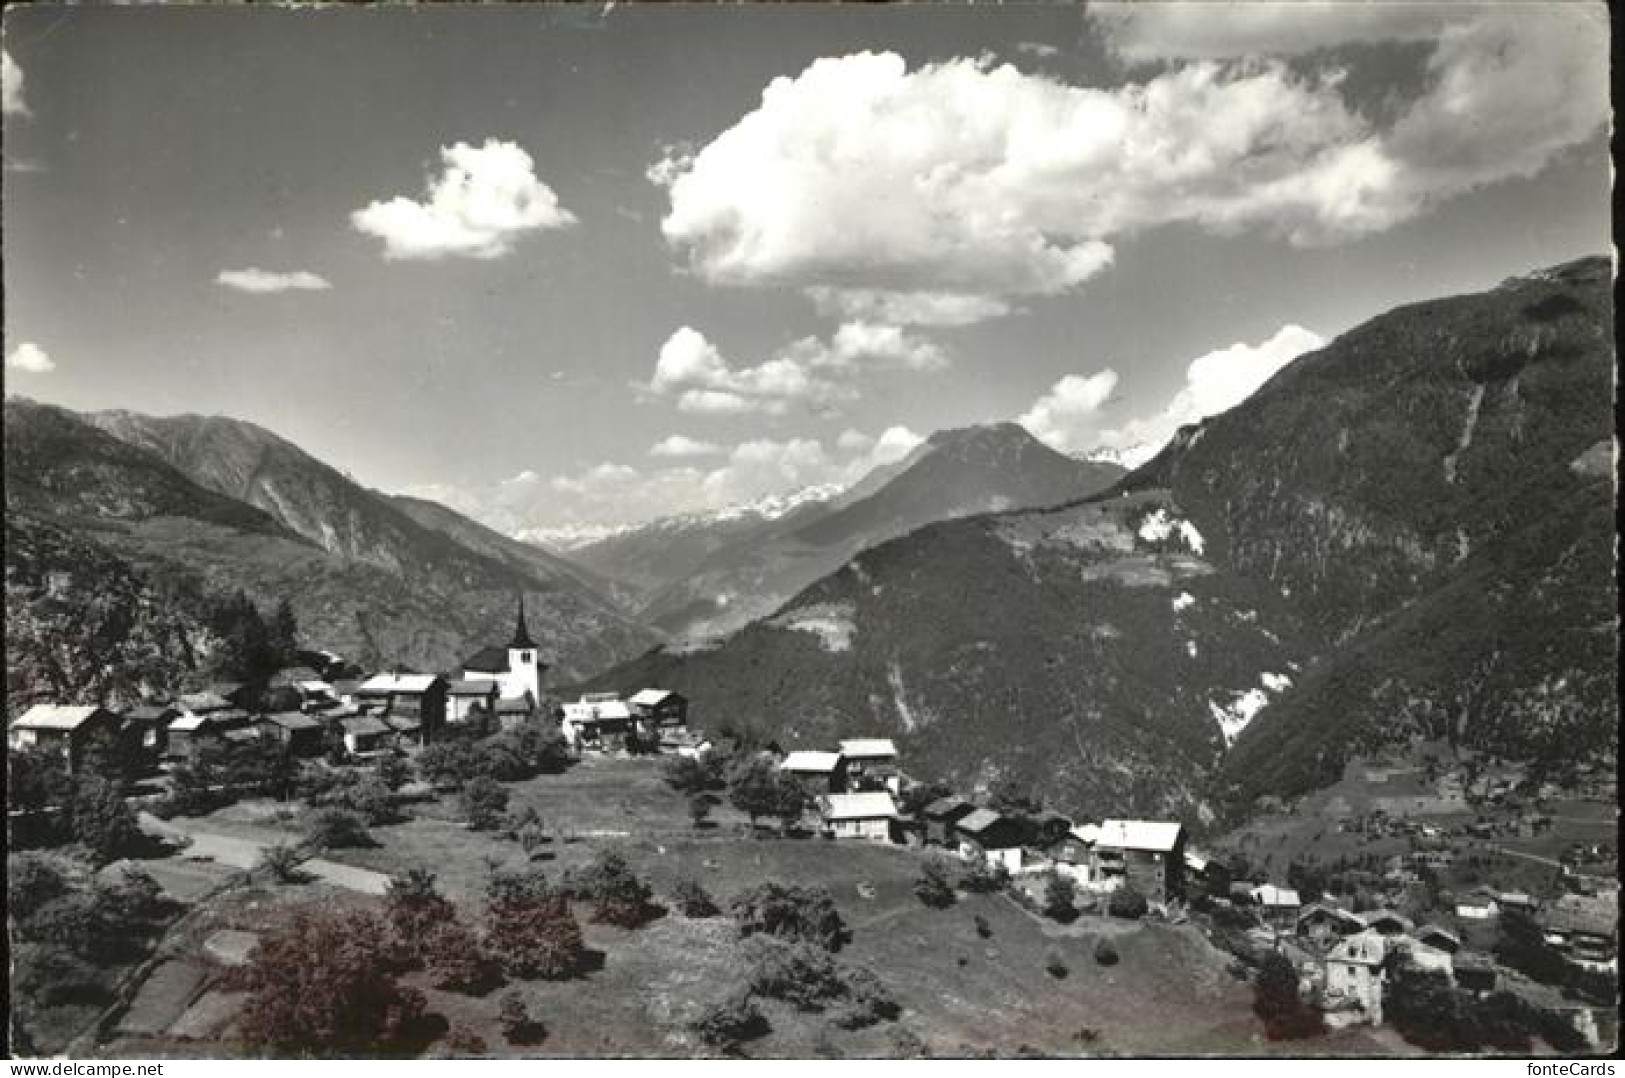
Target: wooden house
[1584, 928]
[205, 718]
[1474, 971]
[1323, 925]
[820, 772]
[865, 816]
[871, 763]
[940, 816]
[514, 711]
[468, 699]
[1074, 854]
[1356, 971]
[417, 696]
[1048, 828]
[599, 721]
[659, 709]
[1147, 855]
[1388, 922]
[1279, 906]
[144, 728]
[986, 835]
[300, 734]
[64, 728]
[365, 735]
[1439, 938]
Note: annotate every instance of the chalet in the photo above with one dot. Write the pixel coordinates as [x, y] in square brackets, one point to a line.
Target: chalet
[1474, 971]
[1279, 906]
[1516, 900]
[514, 711]
[598, 720]
[1439, 938]
[1583, 928]
[1148, 856]
[984, 834]
[145, 727]
[1074, 854]
[1212, 874]
[1048, 828]
[871, 762]
[467, 699]
[863, 816]
[408, 728]
[821, 772]
[660, 709]
[1324, 924]
[64, 728]
[418, 696]
[684, 743]
[1480, 904]
[234, 693]
[345, 690]
[516, 670]
[1387, 923]
[365, 735]
[316, 695]
[940, 816]
[300, 734]
[205, 717]
[1356, 971]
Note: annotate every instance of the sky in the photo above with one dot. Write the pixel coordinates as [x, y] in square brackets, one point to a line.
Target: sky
[566, 268]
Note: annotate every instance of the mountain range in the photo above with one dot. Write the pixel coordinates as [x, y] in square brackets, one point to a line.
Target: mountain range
[1408, 533]
[702, 578]
[204, 505]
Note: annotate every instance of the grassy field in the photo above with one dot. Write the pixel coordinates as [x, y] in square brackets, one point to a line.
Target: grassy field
[961, 993]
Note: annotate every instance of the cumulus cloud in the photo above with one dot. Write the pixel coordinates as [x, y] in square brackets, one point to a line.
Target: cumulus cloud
[263, 282]
[485, 198]
[11, 87]
[679, 445]
[1069, 418]
[812, 371]
[29, 358]
[948, 193]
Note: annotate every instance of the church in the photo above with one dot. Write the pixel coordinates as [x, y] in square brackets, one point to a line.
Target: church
[514, 672]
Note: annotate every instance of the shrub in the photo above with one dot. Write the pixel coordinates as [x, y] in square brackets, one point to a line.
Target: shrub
[1055, 965]
[728, 1024]
[315, 984]
[483, 801]
[689, 776]
[796, 913]
[415, 909]
[282, 861]
[31, 881]
[693, 900]
[516, 1022]
[933, 887]
[983, 929]
[102, 820]
[1060, 896]
[1128, 903]
[393, 772]
[869, 1002]
[339, 829]
[462, 1041]
[620, 897]
[980, 877]
[800, 974]
[54, 976]
[1276, 1001]
[531, 931]
[1106, 953]
[699, 809]
[454, 959]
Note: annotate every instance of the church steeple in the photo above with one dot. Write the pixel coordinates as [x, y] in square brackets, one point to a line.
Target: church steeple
[521, 635]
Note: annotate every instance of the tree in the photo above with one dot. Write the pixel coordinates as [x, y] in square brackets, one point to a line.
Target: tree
[37, 778]
[755, 790]
[317, 984]
[688, 776]
[933, 886]
[282, 861]
[980, 877]
[692, 900]
[921, 794]
[454, 960]
[393, 772]
[620, 897]
[1106, 953]
[102, 820]
[1127, 903]
[339, 829]
[483, 801]
[1276, 1001]
[868, 1001]
[1055, 965]
[517, 1024]
[283, 634]
[728, 1024]
[796, 913]
[790, 801]
[531, 930]
[447, 765]
[795, 972]
[415, 908]
[31, 881]
[1060, 897]
[699, 809]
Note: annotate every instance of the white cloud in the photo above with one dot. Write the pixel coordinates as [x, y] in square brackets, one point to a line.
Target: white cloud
[1067, 412]
[868, 344]
[29, 358]
[484, 199]
[679, 445]
[945, 194]
[11, 87]
[1068, 416]
[261, 281]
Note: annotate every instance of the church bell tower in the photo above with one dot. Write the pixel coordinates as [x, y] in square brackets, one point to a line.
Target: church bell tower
[524, 667]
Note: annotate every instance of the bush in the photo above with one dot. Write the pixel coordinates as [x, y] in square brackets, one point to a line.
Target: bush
[1106, 953]
[393, 772]
[728, 1024]
[795, 913]
[531, 930]
[1277, 1004]
[689, 776]
[693, 900]
[699, 809]
[339, 829]
[1060, 896]
[31, 882]
[316, 984]
[462, 1042]
[516, 1022]
[983, 929]
[282, 861]
[933, 887]
[1055, 965]
[800, 974]
[454, 959]
[415, 908]
[483, 801]
[980, 877]
[1127, 903]
[54, 976]
[619, 896]
[102, 820]
[869, 1004]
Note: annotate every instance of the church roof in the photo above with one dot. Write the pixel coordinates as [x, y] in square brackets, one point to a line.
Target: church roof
[521, 635]
[492, 660]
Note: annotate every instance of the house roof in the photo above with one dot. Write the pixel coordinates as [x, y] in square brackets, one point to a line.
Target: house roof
[1050, 817]
[1087, 833]
[979, 821]
[403, 723]
[866, 806]
[189, 722]
[293, 720]
[346, 686]
[1267, 894]
[585, 710]
[150, 712]
[818, 763]
[1437, 931]
[472, 687]
[868, 748]
[1473, 960]
[651, 697]
[364, 724]
[1363, 948]
[1580, 913]
[491, 660]
[314, 685]
[398, 683]
[947, 807]
[1388, 917]
[203, 701]
[1334, 912]
[55, 717]
[1139, 835]
[515, 705]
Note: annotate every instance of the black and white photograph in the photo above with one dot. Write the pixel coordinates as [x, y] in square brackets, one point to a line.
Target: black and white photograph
[810, 531]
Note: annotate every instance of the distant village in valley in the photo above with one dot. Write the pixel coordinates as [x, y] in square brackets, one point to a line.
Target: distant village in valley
[338, 751]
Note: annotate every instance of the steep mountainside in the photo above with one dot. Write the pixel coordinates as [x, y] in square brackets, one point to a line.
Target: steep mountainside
[1419, 516]
[1090, 651]
[365, 578]
[956, 473]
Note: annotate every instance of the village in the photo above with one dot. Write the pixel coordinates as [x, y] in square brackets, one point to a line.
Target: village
[1350, 933]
